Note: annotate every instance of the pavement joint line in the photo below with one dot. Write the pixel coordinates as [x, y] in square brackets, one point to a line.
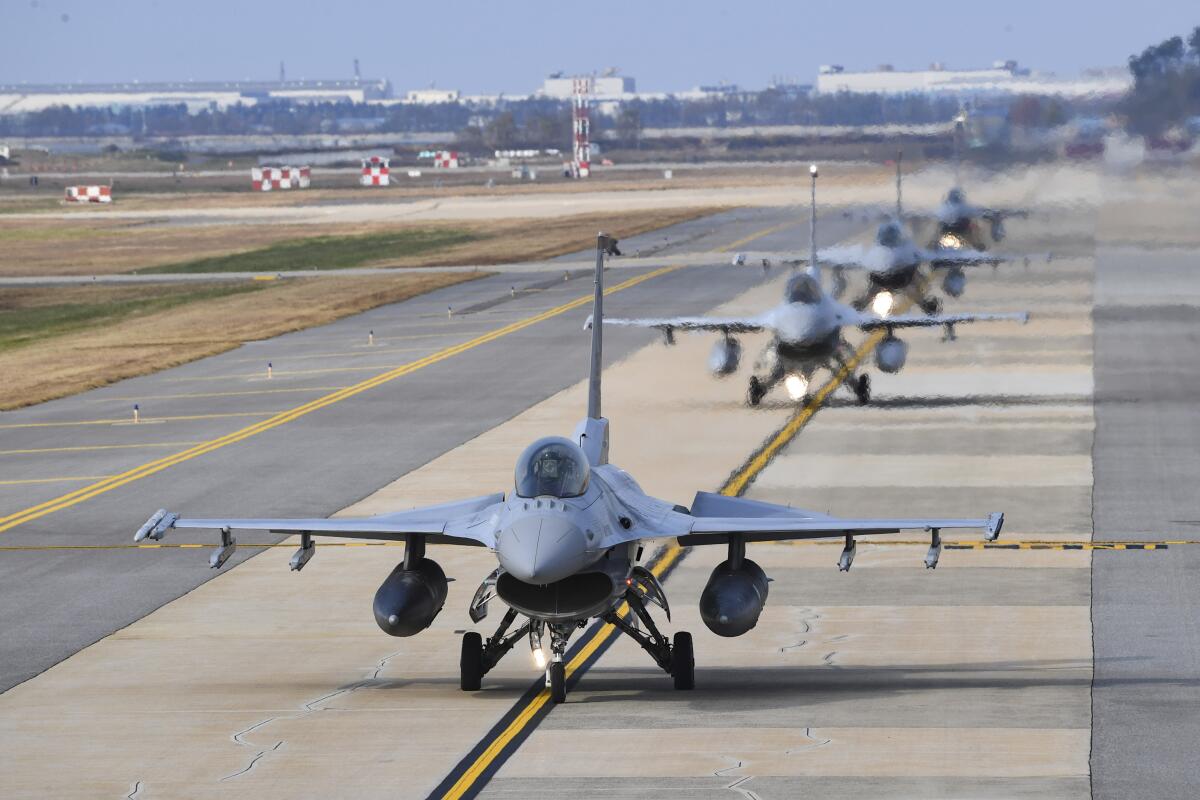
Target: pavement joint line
[87, 447]
[126, 420]
[193, 395]
[145, 470]
[26, 481]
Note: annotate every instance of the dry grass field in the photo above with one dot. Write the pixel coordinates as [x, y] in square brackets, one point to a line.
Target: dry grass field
[56, 341]
[96, 246]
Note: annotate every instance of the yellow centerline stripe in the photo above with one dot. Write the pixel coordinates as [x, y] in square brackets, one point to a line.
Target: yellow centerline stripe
[145, 470]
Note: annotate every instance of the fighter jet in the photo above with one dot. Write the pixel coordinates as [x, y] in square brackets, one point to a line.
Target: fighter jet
[807, 333]
[959, 222]
[892, 264]
[568, 537]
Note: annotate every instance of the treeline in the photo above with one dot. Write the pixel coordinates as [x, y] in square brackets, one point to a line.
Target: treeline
[536, 122]
[545, 123]
[1166, 86]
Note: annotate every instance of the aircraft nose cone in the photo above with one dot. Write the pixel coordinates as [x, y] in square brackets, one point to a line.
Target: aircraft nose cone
[541, 549]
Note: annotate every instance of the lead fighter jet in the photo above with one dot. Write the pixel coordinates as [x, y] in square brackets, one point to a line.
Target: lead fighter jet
[807, 333]
[568, 538]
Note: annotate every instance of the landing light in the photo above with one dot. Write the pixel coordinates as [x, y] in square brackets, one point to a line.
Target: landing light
[949, 241]
[796, 386]
[882, 304]
[539, 659]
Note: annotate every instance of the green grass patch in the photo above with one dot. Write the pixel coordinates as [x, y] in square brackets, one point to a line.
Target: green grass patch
[328, 252]
[34, 323]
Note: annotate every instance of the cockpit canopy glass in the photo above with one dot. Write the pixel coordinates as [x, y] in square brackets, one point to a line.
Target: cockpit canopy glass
[955, 197]
[553, 467]
[889, 234]
[803, 288]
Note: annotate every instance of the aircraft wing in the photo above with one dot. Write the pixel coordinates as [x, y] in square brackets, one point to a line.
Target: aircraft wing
[964, 256]
[714, 518]
[717, 530]
[461, 522]
[722, 324]
[845, 256]
[870, 322]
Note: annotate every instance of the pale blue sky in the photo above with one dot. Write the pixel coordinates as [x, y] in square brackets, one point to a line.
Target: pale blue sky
[480, 46]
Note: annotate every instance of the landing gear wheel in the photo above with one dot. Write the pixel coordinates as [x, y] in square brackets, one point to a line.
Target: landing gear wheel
[558, 682]
[471, 664]
[862, 389]
[931, 305]
[683, 664]
[757, 392]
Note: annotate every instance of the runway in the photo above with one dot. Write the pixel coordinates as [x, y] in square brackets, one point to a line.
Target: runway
[974, 680]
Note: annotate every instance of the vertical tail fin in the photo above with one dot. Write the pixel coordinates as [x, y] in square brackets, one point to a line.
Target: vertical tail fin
[960, 129]
[899, 196]
[592, 432]
[814, 268]
[604, 244]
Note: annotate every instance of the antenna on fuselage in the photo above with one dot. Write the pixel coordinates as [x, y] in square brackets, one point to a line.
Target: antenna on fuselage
[814, 268]
[605, 245]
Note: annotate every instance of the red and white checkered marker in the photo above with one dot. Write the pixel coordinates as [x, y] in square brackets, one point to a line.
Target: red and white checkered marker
[374, 171]
[264, 179]
[89, 194]
[446, 159]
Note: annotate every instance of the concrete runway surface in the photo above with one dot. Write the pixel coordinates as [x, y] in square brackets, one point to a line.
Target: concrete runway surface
[1004, 673]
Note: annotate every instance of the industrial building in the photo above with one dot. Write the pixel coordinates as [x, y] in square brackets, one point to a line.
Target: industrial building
[608, 86]
[196, 95]
[1002, 78]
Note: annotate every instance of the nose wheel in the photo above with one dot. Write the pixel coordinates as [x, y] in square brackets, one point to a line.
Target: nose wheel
[556, 679]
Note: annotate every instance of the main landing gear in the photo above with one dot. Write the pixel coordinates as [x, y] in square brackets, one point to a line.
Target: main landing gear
[478, 657]
[675, 658]
[862, 389]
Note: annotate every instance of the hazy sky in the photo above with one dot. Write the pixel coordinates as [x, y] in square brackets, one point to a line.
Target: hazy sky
[479, 46]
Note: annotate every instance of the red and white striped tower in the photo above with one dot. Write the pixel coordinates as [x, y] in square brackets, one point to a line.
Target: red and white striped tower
[581, 126]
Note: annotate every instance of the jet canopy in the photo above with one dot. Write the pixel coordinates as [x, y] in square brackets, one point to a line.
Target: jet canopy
[554, 467]
[956, 197]
[803, 288]
[889, 234]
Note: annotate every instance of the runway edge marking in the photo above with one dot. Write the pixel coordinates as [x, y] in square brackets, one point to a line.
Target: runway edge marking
[145, 470]
[483, 761]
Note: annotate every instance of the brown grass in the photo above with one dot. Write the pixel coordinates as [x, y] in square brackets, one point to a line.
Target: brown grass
[95, 246]
[75, 362]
